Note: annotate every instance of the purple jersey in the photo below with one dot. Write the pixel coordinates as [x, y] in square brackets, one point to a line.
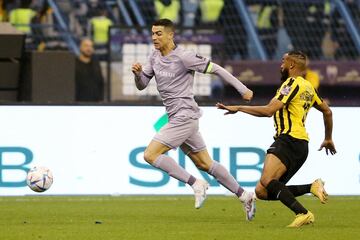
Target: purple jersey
[174, 75]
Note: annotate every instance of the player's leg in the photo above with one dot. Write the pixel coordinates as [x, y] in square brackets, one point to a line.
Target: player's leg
[283, 159]
[296, 190]
[273, 170]
[154, 150]
[261, 192]
[293, 152]
[195, 148]
[154, 155]
[316, 188]
[299, 190]
[170, 136]
[203, 161]
[200, 186]
[173, 135]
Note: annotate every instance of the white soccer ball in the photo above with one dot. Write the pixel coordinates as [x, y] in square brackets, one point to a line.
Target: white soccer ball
[39, 179]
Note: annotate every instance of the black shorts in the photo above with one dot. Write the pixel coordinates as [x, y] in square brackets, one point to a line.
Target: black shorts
[292, 152]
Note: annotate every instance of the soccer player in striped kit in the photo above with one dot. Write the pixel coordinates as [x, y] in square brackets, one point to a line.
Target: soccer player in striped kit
[288, 153]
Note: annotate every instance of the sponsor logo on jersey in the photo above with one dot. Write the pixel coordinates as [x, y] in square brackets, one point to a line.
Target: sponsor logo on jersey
[285, 90]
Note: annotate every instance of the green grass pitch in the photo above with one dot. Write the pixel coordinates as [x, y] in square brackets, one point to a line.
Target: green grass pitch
[170, 217]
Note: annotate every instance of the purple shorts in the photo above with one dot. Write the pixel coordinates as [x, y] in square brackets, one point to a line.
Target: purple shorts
[185, 135]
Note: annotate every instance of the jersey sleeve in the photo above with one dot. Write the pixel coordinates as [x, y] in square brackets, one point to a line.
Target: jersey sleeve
[195, 62]
[147, 68]
[287, 91]
[317, 99]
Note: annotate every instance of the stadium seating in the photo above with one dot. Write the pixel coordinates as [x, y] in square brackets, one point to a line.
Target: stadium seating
[250, 29]
[305, 23]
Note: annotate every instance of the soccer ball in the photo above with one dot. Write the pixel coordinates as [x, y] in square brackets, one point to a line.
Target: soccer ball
[39, 179]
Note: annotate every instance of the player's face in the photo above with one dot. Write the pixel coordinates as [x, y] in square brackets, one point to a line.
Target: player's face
[86, 48]
[284, 68]
[161, 37]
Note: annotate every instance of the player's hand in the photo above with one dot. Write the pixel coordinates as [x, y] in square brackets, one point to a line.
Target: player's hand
[248, 95]
[230, 109]
[329, 147]
[136, 68]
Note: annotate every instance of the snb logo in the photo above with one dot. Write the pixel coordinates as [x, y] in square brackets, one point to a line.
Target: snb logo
[13, 166]
[235, 154]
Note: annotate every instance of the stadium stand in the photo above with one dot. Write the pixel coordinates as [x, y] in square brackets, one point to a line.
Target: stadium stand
[247, 36]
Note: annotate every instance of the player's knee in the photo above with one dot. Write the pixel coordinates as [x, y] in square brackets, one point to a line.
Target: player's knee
[149, 157]
[265, 181]
[260, 192]
[203, 166]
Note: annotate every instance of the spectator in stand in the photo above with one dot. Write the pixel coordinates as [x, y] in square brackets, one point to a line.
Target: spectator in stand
[7, 6]
[88, 77]
[232, 28]
[304, 22]
[99, 26]
[189, 9]
[283, 41]
[347, 49]
[3, 13]
[21, 17]
[266, 22]
[44, 34]
[210, 11]
[329, 46]
[169, 9]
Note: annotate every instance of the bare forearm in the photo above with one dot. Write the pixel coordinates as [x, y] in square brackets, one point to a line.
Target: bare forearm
[263, 111]
[258, 111]
[328, 123]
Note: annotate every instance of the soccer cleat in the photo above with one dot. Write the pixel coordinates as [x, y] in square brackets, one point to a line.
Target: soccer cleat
[302, 219]
[200, 187]
[318, 190]
[249, 204]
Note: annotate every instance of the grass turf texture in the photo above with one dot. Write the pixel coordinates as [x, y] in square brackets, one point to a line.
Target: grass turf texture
[170, 217]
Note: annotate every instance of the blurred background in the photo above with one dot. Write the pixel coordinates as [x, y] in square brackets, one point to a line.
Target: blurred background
[45, 59]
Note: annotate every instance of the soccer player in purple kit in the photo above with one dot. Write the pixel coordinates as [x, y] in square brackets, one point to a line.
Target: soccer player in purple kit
[173, 68]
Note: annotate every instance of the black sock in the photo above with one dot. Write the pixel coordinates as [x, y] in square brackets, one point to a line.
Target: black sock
[299, 190]
[278, 190]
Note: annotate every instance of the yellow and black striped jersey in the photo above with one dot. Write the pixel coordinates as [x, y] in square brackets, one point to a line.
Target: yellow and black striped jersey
[298, 96]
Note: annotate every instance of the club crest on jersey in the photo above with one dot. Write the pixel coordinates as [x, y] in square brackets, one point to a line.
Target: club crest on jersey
[285, 90]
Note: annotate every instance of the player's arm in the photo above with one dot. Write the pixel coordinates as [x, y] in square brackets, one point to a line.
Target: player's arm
[258, 111]
[141, 79]
[328, 143]
[201, 64]
[216, 69]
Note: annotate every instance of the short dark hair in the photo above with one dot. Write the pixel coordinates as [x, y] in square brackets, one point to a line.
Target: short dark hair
[166, 23]
[298, 54]
[300, 58]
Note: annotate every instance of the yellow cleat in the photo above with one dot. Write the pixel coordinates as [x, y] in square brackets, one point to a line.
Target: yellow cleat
[302, 219]
[318, 190]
